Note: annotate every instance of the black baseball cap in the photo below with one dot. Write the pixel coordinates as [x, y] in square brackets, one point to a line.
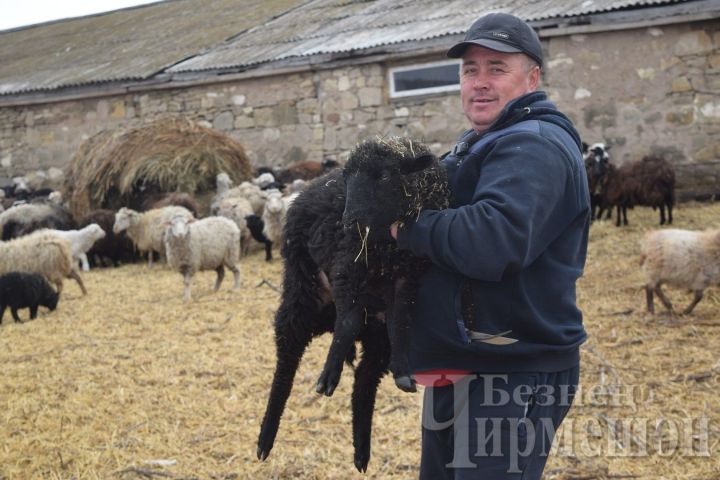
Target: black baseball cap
[501, 32]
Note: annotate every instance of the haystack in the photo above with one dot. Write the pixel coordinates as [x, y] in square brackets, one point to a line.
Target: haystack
[113, 169]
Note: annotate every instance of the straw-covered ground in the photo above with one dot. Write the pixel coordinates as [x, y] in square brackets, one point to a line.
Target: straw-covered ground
[130, 383]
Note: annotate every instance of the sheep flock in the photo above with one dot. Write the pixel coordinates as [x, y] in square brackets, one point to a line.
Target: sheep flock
[221, 362]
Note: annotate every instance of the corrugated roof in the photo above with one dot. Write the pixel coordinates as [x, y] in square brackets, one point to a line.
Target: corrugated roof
[183, 36]
[130, 44]
[338, 26]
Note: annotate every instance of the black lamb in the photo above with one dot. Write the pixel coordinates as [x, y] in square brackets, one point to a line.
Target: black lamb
[25, 290]
[343, 273]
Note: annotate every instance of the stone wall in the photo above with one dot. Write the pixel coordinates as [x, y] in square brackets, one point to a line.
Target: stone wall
[648, 90]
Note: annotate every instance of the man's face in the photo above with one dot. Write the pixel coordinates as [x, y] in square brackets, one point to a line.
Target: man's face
[490, 79]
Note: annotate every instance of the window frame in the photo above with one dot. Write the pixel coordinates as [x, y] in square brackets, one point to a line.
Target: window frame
[422, 91]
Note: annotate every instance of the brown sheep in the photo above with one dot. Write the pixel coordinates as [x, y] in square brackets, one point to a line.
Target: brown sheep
[649, 182]
[179, 199]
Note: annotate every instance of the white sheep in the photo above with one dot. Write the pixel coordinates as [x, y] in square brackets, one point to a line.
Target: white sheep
[208, 244]
[274, 212]
[682, 258]
[236, 209]
[146, 229]
[81, 241]
[42, 252]
[264, 179]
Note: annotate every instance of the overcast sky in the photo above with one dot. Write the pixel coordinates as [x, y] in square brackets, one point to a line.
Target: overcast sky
[18, 13]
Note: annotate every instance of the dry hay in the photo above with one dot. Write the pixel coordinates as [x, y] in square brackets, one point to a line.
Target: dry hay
[171, 155]
[130, 383]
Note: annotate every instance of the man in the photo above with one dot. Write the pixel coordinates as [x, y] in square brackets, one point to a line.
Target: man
[496, 332]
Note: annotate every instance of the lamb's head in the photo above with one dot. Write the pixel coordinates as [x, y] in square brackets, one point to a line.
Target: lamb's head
[95, 231]
[382, 177]
[124, 218]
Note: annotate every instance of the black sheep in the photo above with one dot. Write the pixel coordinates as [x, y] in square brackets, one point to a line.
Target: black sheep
[256, 225]
[25, 290]
[113, 248]
[344, 273]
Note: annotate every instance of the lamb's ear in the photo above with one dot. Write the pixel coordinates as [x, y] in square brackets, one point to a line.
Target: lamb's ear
[410, 165]
[585, 147]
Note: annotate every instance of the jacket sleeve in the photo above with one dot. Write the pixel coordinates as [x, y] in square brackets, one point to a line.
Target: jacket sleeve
[522, 201]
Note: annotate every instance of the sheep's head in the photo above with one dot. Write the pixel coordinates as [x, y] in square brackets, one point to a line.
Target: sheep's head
[381, 177]
[596, 159]
[124, 218]
[178, 228]
[223, 182]
[274, 203]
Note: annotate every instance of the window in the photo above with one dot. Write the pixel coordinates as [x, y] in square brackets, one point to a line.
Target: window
[426, 78]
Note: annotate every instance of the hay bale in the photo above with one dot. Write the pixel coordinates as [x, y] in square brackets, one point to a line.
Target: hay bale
[113, 169]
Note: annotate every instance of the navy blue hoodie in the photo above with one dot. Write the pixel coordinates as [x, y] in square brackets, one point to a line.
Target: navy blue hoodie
[507, 253]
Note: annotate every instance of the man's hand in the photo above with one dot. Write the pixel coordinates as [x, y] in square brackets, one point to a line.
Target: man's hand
[393, 230]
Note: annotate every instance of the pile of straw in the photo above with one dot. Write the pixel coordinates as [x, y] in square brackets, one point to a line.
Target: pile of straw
[171, 155]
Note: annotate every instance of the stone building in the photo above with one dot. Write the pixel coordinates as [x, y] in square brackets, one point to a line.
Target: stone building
[307, 79]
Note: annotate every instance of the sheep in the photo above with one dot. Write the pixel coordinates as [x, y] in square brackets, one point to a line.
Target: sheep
[25, 290]
[81, 241]
[682, 258]
[146, 229]
[179, 199]
[40, 252]
[648, 182]
[344, 273]
[274, 212]
[237, 209]
[26, 218]
[115, 248]
[254, 194]
[208, 244]
[305, 170]
[596, 163]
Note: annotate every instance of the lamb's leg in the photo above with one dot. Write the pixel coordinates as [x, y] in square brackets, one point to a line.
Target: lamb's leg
[76, 276]
[696, 299]
[649, 299]
[84, 262]
[618, 219]
[669, 207]
[2, 311]
[348, 324]
[398, 325]
[624, 212]
[292, 336]
[372, 366]
[663, 298]
[662, 214]
[33, 312]
[150, 258]
[14, 312]
[220, 275]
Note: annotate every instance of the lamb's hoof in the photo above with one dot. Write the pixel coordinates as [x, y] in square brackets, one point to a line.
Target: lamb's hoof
[328, 382]
[406, 383]
[361, 461]
[262, 454]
